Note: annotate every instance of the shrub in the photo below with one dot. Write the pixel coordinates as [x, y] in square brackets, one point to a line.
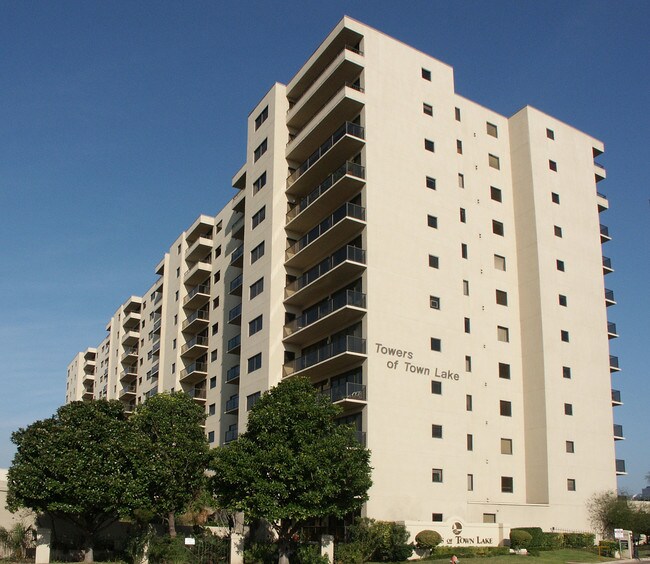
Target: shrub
[382, 541]
[579, 540]
[428, 539]
[520, 538]
[310, 554]
[348, 553]
[607, 548]
[552, 541]
[261, 553]
[463, 552]
[167, 549]
[537, 541]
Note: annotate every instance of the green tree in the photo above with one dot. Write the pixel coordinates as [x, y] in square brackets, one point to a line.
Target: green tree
[608, 511]
[176, 452]
[293, 463]
[81, 465]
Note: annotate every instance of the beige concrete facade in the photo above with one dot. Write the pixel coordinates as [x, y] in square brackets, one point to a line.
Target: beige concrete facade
[433, 266]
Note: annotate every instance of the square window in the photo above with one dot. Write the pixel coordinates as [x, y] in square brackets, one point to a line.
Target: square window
[434, 302]
[502, 297]
[470, 442]
[436, 387]
[552, 165]
[261, 118]
[434, 261]
[465, 287]
[557, 230]
[436, 475]
[506, 446]
[258, 217]
[568, 409]
[550, 133]
[468, 363]
[457, 114]
[256, 288]
[260, 150]
[470, 482]
[499, 262]
[469, 404]
[426, 74]
[429, 145]
[496, 194]
[497, 227]
[259, 183]
[570, 447]
[432, 221]
[431, 183]
[562, 300]
[255, 325]
[504, 371]
[566, 372]
[466, 325]
[503, 334]
[555, 198]
[491, 129]
[461, 180]
[436, 344]
[559, 264]
[463, 250]
[255, 362]
[257, 252]
[436, 517]
[427, 109]
[489, 517]
[459, 146]
[571, 484]
[564, 335]
[463, 215]
[507, 485]
[436, 431]
[494, 162]
[505, 408]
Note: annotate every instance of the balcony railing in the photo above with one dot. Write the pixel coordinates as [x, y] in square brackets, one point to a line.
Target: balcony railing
[616, 396]
[129, 351]
[195, 367]
[607, 265]
[198, 289]
[131, 389]
[199, 314]
[604, 232]
[346, 391]
[348, 128]
[348, 252]
[613, 363]
[196, 341]
[611, 329]
[232, 404]
[234, 313]
[236, 284]
[232, 375]
[231, 435]
[197, 393]
[620, 466]
[341, 345]
[350, 168]
[609, 296]
[234, 344]
[343, 299]
[346, 210]
[618, 431]
[237, 254]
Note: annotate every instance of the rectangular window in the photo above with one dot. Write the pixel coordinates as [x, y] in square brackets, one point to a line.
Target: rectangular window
[466, 325]
[434, 302]
[211, 436]
[502, 297]
[214, 355]
[261, 118]
[436, 431]
[468, 363]
[557, 230]
[259, 216]
[259, 183]
[470, 482]
[562, 300]
[427, 109]
[212, 409]
[568, 409]
[555, 198]
[426, 74]
[255, 325]
[564, 336]
[566, 372]
[252, 400]
[436, 475]
[217, 277]
[429, 145]
[470, 442]
[506, 446]
[500, 262]
[217, 252]
[459, 146]
[463, 215]
[550, 133]
[469, 404]
[436, 344]
[215, 303]
[571, 484]
[495, 194]
[213, 382]
[552, 165]
[436, 387]
[465, 287]
[491, 129]
[431, 183]
[461, 180]
[489, 517]
[457, 114]
[559, 264]
[463, 250]
[256, 288]
[493, 161]
[257, 252]
[436, 517]
[261, 149]
[505, 408]
[432, 221]
[255, 362]
[570, 447]
[434, 261]
[215, 328]
[504, 371]
[503, 334]
[497, 227]
[507, 484]
[173, 368]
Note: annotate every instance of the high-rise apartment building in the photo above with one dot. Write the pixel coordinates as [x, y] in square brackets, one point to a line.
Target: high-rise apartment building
[431, 265]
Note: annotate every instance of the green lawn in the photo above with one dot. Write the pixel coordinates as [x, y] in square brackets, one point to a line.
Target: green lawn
[545, 557]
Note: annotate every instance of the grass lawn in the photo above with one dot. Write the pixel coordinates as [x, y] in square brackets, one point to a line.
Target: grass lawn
[545, 557]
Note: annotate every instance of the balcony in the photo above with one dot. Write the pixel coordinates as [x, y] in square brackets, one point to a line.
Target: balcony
[199, 250]
[89, 366]
[599, 172]
[130, 338]
[620, 467]
[195, 347]
[346, 66]
[197, 273]
[154, 372]
[234, 315]
[607, 265]
[603, 204]
[198, 394]
[616, 398]
[345, 352]
[232, 375]
[157, 322]
[604, 234]
[336, 189]
[618, 432]
[347, 394]
[609, 298]
[613, 363]
[346, 222]
[196, 321]
[344, 265]
[237, 257]
[611, 330]
[155, 349]
[341, 310]
[88, 380]
[231, 435]
[129, 374]
[130, 354]
[198, 296]
[232, 405]
[129, 407]
[237, 229]
[132, 320]
[234, 345]
[235, 286]
[344, 143]
[87, 394]
[127, 392]
[344, 104]
[194, 372]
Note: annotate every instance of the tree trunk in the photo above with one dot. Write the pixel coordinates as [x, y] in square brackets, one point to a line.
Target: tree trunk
[283, 552]
[89, 545]
[172, 524]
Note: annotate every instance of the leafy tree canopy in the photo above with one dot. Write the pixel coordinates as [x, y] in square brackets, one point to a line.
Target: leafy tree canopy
[608, 511]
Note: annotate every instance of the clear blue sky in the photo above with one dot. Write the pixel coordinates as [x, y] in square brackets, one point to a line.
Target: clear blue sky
[120, 122]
